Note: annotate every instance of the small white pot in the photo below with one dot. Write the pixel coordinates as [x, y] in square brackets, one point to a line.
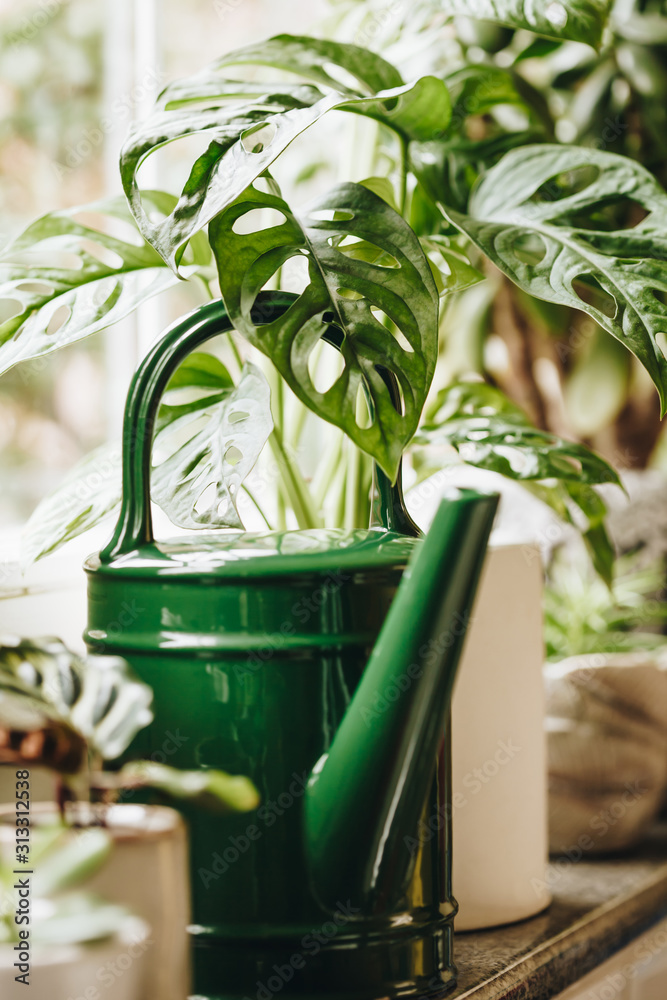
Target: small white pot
[113, 969]
[499, 773]
[147, 871]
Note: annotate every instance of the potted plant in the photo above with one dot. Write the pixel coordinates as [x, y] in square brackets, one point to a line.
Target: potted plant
[71, 716]
[74, 939]
[606, 683]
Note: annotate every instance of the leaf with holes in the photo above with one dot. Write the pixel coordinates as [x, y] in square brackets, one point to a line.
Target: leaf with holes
[558, 220]
[451, 268]
[479, 89]
[198, 385]
[317, 60]
[215, 458]
[249, 125]
[89, 495]
[447, 169]
[91, 492]
[98, 698]
[575, 20]
[68, 276]
[491, 432]
[357, 296]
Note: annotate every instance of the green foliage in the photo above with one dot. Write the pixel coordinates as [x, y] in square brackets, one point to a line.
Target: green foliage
[88, 495]
[490, 432]
[99, 706]
[207, 788]
[249, 126]
[71, 860]
[545, 215]
[219, 428]
[63, 861]
[219, 454]
[98, 701]
[366, 301]
[310, 58]
[578, 20]
[68, 276]
[582, 615]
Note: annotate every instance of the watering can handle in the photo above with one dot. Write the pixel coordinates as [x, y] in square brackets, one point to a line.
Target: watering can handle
[135, 525]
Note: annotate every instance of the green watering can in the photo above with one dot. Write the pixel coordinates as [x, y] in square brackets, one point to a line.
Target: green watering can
[277, 656]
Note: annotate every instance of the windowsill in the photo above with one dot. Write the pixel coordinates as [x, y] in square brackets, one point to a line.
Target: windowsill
[599, 907]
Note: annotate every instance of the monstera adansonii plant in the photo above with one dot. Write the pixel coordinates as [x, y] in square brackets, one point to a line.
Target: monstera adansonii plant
[378, 259]
[72, 715]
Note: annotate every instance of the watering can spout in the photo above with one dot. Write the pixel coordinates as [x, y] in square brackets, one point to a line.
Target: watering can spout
[366, 796]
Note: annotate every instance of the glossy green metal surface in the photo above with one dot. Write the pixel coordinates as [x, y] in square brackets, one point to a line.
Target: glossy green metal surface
[264, 657]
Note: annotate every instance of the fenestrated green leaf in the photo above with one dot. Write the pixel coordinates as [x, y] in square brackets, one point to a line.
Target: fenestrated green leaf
[344, 291]
[478, 89]
[210, 789]
[201, 370]
[216, 458]
[451, 268]
[91, 492]
[68, 276]
[99, 698]
[447, 169]
[491, 432]
[249, 126]
[309, 57]
[545, 215]
[576, 20]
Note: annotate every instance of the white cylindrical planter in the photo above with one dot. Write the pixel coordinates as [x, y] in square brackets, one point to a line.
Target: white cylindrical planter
[147, 872]
[499, 782]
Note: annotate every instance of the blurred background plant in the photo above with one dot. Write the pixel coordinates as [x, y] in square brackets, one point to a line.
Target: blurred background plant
[65, 912]
[75, 715]
[516, 87]
[582, 615]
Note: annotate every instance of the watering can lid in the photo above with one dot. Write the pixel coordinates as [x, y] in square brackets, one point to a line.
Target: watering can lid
[267, 554]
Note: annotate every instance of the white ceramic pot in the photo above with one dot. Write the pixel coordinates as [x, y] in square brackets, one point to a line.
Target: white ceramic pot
[499, 754]
[113, 969]
[147, 871]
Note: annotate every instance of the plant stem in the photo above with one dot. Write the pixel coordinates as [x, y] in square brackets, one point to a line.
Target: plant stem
[259, 509]
[327, 470]
[235, 351]
[207, 286]
[299, 422]
[232, 343]
[403, 176]
[295, 487]
[352, 487]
